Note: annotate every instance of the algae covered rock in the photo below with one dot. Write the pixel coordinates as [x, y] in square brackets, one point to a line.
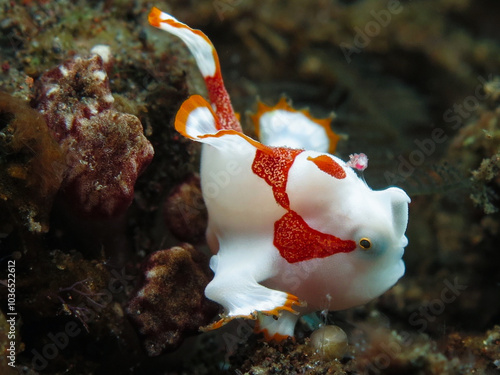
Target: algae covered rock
[105, 150]
[32, 165]
[171, 302]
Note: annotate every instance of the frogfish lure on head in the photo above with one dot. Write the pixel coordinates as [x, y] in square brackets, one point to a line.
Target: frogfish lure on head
[291, 227]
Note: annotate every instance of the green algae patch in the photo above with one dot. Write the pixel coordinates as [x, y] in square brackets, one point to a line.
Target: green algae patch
[33, 162]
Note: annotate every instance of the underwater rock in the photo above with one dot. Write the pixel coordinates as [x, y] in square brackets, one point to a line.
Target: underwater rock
[286, 358]
[171, 303]
[33, 164]
[486, 180]
[382, 350]
[330, 341]
[475, 354]
[476, 147]
[105, 150]
[185, 212]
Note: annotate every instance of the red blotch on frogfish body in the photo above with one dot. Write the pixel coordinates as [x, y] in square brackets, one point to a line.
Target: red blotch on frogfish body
[297, 241]
[272, 164]
[293, 237]
[328, 165]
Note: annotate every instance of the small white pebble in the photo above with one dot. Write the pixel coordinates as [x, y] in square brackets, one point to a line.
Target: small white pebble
[102, 50]
[63, 70]
[108, 98]
[99, 75]
[151, 273]
[497, 363]
[330, 341]
[53, 89]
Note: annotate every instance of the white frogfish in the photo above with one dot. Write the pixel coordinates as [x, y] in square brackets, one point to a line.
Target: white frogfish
[293, 230]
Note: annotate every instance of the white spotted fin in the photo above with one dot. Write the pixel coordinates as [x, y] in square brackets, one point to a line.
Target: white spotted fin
[281, 125]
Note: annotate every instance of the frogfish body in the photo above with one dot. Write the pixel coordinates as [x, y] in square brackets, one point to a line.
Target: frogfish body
[293, 230]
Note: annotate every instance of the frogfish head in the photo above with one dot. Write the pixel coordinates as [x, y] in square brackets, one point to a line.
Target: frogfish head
[380, 238]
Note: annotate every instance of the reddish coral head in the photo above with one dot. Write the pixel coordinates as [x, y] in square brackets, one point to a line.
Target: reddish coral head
[105, 150]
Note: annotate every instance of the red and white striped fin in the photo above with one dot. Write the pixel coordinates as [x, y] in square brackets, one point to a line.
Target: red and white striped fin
[196, 119]
[207, 61]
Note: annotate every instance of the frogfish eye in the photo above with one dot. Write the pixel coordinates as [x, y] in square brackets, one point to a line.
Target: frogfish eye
[365, 243]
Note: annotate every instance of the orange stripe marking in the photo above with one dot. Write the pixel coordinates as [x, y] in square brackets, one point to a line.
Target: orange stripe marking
[328, 165]
[154, 17]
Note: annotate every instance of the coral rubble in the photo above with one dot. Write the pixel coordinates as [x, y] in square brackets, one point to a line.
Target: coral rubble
[185, 212]
[105, 150]
[171, 302]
